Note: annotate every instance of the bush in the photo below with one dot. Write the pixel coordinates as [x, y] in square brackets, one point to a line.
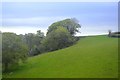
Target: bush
[57, 39]
[13, 50]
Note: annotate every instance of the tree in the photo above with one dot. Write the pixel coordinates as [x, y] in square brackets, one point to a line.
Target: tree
[57, 39]
[13, 50]
[29, 40]
[71, 25]
[34, 41]
[40, 34]
[61, 34]
[109, 31]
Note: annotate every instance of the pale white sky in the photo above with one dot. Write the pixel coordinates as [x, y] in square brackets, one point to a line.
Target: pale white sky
[59, 0]
[25, 17]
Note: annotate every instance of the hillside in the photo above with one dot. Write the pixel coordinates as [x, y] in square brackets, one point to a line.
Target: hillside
[90, 57]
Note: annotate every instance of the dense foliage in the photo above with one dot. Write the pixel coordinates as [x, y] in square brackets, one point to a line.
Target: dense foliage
[71, 25]
[61, 34]
[13, 50]
[33, 42]
[57, 39]
[16, 48]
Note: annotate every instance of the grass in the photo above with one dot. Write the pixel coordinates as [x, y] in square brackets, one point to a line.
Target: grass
[91, 57]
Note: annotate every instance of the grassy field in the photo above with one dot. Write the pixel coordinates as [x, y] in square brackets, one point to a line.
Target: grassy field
[91, 57]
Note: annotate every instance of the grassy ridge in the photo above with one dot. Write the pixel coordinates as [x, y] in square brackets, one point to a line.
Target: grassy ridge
[91, 57]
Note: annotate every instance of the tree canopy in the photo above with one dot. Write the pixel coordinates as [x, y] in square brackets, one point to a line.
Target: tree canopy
[13, 50]
[57, 39]
[17, 48]
[71, 25]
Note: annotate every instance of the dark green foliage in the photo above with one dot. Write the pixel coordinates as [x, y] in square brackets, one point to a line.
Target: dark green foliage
[34, 51]
[34, 42]
[29, 40]
[61, 34]
[40, 34]
[57, 39]
[16, 48]
[13, 50]
[70, 24]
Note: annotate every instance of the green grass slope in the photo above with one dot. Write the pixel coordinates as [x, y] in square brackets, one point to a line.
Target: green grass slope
[91, 57]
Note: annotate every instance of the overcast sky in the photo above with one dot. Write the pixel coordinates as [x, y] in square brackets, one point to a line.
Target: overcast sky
[26, 17]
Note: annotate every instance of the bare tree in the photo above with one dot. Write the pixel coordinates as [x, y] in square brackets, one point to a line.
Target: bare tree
[109, 31]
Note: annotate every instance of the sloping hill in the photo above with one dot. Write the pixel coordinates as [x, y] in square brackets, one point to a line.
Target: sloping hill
[91, 57]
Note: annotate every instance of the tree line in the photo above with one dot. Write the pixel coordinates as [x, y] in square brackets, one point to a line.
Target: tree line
[16, 48]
